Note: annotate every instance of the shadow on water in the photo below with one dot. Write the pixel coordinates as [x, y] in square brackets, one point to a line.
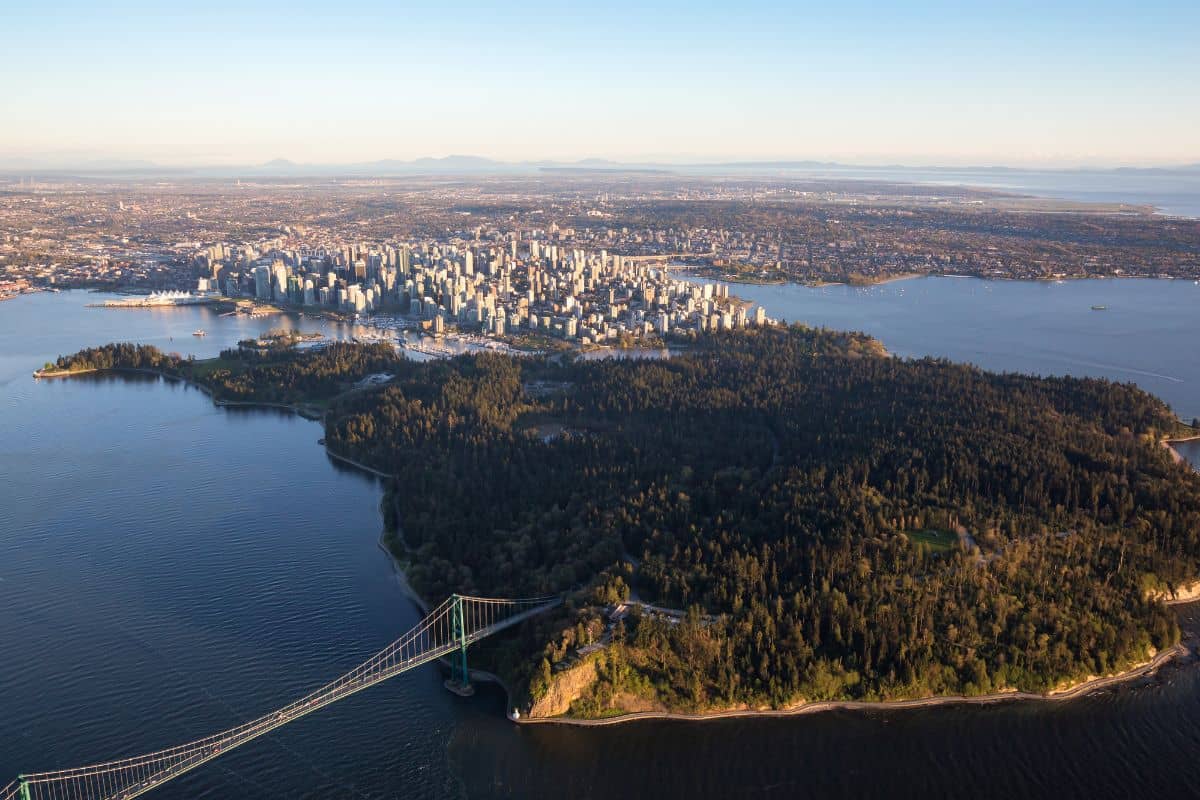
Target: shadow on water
[116, 378]
[344, 468]
[257, 411]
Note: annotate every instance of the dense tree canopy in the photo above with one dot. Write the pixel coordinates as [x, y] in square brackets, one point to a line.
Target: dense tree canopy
[117, 356]
[280, 374]
[276, 374]
[864, 526]
[838, 523]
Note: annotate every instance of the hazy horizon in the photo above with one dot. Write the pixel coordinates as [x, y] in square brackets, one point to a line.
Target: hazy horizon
[55, 162]
[1078, 85]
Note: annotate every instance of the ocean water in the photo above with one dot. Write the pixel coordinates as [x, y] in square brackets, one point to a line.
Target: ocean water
[1173, 192]
[168, 569]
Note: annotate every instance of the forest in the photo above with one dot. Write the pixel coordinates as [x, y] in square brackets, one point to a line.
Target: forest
[277, 374]
[123, 355]
[836, 523]
[829, 521]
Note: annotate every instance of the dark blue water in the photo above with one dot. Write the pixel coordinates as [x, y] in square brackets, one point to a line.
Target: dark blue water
[168, 569]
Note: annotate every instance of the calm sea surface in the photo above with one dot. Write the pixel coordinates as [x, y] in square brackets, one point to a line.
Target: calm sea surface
[1173, 192]
[168, 569]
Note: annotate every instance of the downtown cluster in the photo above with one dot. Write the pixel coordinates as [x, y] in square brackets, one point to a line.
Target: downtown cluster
[513, 285]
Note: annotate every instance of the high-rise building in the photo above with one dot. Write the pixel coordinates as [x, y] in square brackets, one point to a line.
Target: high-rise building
[262, 283]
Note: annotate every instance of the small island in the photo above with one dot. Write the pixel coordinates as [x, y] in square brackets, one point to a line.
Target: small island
[771, 520]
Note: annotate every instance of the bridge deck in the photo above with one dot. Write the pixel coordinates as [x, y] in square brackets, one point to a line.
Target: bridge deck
[456, 623]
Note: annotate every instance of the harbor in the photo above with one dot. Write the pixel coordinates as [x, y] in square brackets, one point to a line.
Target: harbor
[407, 335]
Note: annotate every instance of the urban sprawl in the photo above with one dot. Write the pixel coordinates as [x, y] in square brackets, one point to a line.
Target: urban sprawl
[581, 259]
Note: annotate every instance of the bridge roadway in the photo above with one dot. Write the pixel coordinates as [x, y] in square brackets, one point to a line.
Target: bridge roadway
[450, 627]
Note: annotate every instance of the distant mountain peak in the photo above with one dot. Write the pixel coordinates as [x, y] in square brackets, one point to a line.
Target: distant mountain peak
[454, 160]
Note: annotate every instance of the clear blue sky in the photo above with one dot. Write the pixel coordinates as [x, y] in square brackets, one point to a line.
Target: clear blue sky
[346, 80]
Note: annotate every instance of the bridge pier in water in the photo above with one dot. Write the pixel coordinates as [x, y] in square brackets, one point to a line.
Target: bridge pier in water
[460, 676]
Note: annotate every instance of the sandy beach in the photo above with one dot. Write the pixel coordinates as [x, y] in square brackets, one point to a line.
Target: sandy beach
[896, 279]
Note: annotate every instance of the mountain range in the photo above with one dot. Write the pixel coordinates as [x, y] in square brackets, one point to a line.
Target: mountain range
[468, 164]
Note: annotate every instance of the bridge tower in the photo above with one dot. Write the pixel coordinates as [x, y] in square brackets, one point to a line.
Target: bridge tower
[460, 675]
[445, 631]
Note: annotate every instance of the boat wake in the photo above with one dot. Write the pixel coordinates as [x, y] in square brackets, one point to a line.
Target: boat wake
[1130, 370]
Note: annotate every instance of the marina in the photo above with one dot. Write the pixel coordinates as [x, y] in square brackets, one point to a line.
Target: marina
[406, 335]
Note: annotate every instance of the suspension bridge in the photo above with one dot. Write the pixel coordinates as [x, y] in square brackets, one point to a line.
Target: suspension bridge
[445, 631]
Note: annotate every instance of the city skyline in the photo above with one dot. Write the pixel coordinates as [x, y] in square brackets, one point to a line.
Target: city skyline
[929, 84]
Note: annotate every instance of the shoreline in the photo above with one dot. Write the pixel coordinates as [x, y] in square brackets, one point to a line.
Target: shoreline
[1084, 687]
[895, 279]
[1181, 439]
[301, 410]
[1057, 695]
[305, 412]
[353, 463]
[716, 274]
[1177, 456]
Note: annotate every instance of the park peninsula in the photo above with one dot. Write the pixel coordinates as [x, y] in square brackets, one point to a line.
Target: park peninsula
[770, 520]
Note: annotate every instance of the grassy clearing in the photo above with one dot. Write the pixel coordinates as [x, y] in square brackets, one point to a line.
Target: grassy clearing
[938, 541]
[204, 368]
